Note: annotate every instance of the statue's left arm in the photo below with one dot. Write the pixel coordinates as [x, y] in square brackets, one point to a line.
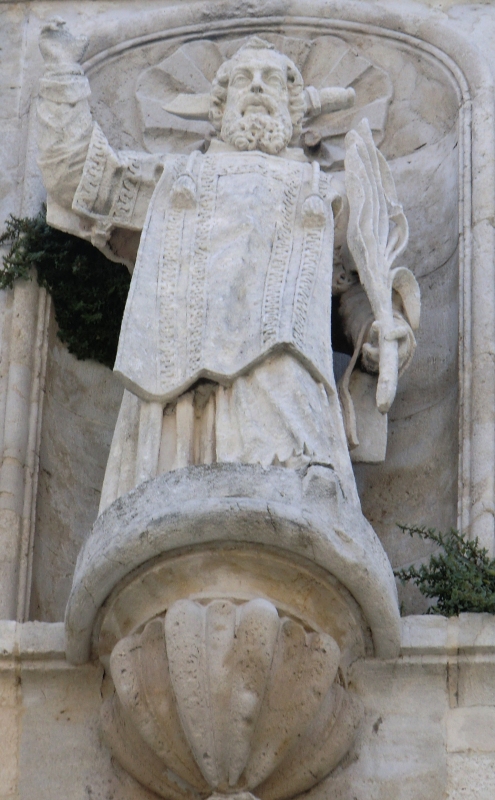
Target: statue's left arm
[379, 303]
[377, 235]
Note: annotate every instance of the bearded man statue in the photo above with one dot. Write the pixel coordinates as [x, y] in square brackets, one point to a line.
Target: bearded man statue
[225, 350]
[258, 106]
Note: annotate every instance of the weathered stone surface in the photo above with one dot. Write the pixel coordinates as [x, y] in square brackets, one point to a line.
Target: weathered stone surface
[471, 729]
[241, 504]
[10, 717]
[12, 22]
[239, 572]
[471, 776]
[59, 708]
[228, 698]
[420, 481]
[80, 408]
[476, 681]
[462, 635]
[400, 750]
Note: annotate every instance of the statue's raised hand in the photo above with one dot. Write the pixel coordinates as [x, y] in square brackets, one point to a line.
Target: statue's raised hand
[61, 51]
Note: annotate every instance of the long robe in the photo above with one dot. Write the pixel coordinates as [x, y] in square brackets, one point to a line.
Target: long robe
[233, 292]
[225, 345]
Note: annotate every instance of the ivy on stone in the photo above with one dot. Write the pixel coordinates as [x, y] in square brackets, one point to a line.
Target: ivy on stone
[461, 576]
[89, 291]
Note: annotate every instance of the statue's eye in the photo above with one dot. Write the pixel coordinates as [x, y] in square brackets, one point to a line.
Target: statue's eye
[240, 80]
[275, 80]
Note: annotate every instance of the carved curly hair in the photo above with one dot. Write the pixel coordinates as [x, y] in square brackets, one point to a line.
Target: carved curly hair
[295, 86]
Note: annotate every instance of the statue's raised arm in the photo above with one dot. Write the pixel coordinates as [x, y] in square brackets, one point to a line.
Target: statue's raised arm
[92, 189]
[64, 117]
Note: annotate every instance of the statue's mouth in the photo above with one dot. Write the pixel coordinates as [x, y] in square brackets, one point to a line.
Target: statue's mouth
[257, 105]
[256, 109]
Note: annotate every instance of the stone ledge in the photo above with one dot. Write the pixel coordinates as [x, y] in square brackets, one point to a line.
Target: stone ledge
[436, 635]
[35, 641]
[422, 635]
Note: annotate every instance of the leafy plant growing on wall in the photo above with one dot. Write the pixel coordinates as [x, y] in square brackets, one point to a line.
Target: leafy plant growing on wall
[89, 291]
[461, 576]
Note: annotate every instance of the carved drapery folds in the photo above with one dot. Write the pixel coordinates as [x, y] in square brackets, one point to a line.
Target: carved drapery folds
[226, 699]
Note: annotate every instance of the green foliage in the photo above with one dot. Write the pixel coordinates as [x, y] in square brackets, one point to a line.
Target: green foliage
[461, 576]
[88, 290]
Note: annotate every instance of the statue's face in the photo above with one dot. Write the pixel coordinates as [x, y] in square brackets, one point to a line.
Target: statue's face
[256, 115]
[258, 83]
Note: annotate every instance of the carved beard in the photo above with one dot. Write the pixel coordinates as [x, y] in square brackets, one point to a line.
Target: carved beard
[257, 130]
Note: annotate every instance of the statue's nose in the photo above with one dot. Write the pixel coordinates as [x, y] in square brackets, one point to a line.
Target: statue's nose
[256, 87]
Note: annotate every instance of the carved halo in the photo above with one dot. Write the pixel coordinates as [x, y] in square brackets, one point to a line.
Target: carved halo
[323, 61]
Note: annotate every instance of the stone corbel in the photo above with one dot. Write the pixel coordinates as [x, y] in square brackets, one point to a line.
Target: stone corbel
[226, 699]
[227, 604]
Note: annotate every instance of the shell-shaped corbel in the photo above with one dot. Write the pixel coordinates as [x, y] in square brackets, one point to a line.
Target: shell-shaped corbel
[228, 699]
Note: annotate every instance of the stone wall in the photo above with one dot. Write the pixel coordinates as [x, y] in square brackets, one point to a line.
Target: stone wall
[429, 729]
[428, 734]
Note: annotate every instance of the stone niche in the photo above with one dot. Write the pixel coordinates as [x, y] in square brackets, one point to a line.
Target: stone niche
[411, 97]
[228, 602]
[157, 689]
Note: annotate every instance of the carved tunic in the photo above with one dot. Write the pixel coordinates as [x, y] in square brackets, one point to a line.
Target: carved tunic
[220, 286]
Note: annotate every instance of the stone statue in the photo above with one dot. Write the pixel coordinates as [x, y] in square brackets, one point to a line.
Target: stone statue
[228, 686]
[225, 349]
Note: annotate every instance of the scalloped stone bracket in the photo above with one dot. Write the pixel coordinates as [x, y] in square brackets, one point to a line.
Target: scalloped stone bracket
[226, 603]
[301, 517]
[228, 700]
